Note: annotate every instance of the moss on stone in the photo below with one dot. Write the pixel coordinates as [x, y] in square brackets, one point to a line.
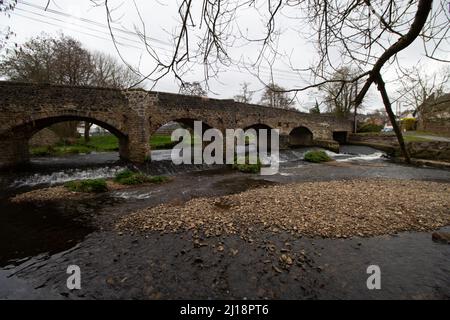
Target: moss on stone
[90, 185]
[317, 156]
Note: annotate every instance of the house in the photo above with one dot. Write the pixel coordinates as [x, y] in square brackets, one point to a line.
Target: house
[434, 115]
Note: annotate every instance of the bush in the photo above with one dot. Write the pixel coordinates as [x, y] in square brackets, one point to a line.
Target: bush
[137, 178]
[317, 156]
[158, 179]
[370, 127]
[124, 174]
[408, 124]
[129, 177]
[90, 185]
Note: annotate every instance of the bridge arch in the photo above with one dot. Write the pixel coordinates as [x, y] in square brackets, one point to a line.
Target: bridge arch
[183, 122]
[186, 121]
[161, 131]
[32, 126]
[15, 140]
[258, 126]
[300, 136]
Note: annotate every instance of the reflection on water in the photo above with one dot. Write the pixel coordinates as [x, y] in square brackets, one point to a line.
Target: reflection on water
[27, 230]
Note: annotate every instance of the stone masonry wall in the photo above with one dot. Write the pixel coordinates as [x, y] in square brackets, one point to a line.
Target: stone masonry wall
[44, 137]
[133, 115]
[431, 150]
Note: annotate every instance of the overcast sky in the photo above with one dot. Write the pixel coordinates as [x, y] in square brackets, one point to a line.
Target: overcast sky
[87, 23]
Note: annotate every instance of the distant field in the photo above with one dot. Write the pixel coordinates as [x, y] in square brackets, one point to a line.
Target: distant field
[413, 138]
[102, 143]
[408, 136]
[427, 133]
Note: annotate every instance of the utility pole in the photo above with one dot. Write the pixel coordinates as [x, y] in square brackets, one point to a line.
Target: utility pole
[355, 125]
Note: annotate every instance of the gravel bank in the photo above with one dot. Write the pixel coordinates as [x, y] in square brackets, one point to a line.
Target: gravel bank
[336, 209]
[62, 193]
[50, 194]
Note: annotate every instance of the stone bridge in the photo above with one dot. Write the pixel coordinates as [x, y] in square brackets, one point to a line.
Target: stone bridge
[134, 115]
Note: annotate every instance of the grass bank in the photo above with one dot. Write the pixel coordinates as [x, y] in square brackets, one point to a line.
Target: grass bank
[128, 177]
[105, 143]
[317, 156]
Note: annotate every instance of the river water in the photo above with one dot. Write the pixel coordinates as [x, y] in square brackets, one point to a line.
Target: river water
[39, 241]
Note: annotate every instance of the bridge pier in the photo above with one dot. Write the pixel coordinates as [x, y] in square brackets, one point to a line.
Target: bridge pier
[137, 152]
[135, 147]
[284, 141]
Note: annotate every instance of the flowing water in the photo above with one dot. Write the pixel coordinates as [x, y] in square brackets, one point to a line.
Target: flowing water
[39, 240]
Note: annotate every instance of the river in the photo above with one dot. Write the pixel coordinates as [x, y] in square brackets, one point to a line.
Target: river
[39, 241]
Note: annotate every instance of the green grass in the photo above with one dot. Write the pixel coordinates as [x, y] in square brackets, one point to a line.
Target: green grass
[158, 142]
[105, 143]
[317, 156]
[412, 138]
[90, 185]
[161, 142]
[378, 134]
[247, 167]
[124, 174]
[128, 177]
[102, 143]
[158, 179]
[97, 143]
[408, 136]
[42, 151]
[72, 149]
[443, 134]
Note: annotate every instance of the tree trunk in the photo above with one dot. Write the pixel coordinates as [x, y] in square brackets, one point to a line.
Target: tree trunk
[387, 104]
[423, 10]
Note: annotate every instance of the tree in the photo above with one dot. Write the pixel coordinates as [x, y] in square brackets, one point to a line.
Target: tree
[417, 86]
[192, 89]
[108, 72]
[315, 109]
[6, 6]
[340, 94]
[63, 60]
[245, 95]
[45, 59]
[73, 64]
[60, 60]
[368, 34]
[276, 97]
